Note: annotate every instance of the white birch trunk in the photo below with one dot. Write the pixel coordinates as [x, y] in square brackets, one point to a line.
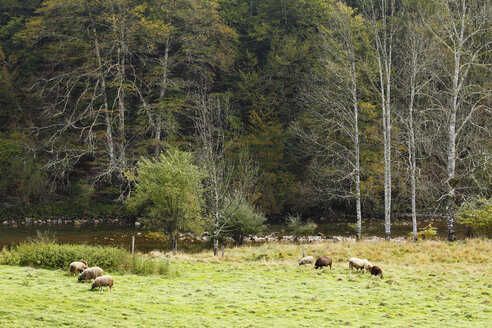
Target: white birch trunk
[356, 150]
[411, 150]
[164, 83]
[452, 128]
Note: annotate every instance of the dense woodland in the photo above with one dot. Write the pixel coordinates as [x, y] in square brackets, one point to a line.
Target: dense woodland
[319, 108]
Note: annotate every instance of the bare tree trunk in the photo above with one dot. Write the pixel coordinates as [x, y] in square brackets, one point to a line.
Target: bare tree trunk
[353, 76]
[121, 104]
[383, 38]
[107, 114]
[164, 83]
[452, 129]
[411, 156]
[174, 242]
[119, 32]
[387, 153]
[462, 30]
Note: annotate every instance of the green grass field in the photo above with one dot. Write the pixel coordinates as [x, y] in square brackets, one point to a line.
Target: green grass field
[431, 284]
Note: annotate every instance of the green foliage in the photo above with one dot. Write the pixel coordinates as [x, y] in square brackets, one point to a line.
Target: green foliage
[429, 232]
[242, 220]
[168, 193]
[477, 214]
[298, 228]
[262, 53]
[48, 254]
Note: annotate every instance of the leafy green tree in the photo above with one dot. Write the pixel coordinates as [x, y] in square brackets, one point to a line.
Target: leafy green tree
[477, 214]
[242, 219]
[168, 194]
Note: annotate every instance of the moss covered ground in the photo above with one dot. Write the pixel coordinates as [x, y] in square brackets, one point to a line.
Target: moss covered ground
[429, 284]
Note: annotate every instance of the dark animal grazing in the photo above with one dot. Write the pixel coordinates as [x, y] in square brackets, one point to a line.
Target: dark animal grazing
[78, 266]
[376, 271]
[323, 261]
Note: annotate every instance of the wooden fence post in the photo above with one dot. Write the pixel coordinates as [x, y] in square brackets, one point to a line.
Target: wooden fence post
[222, 251]
[133, 244]
[303, 252]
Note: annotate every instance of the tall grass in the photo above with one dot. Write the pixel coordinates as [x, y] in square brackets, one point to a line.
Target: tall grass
[48, 254]
[471, 251]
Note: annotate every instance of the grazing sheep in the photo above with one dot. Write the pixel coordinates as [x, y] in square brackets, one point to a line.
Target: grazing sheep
[359, 264]
[376, 271]
[306, 260]
[78, 266]
[367, 266]
[102, 281]
[323, 261]
[91, 273]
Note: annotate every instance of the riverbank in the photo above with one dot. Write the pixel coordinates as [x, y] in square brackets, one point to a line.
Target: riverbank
[118, 232]
[430, 284]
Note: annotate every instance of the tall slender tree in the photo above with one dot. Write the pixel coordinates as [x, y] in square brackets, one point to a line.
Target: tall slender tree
[462, 28]
[381, 20]
[416, 65]
[331, 96]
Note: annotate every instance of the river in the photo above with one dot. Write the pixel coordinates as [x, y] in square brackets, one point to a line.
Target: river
[120, 234]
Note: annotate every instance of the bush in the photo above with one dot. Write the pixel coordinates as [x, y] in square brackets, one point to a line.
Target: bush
[477, 214]
[429, 232]
[51, 255]
[242, 220]
[298, 228]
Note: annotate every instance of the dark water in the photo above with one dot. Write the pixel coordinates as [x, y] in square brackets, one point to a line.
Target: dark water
[120, 235]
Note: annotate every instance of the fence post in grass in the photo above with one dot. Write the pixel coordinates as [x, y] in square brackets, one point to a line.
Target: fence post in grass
[303, 252]
[222, 251]
[133, 244]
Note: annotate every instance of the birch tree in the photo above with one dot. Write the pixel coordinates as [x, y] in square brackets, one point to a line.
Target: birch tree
[462, 28]
[417, 65]
[380, 18]
[332, 99]
[229, 180]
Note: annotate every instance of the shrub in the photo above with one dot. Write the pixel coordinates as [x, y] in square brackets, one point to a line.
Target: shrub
[242, 220]
[429, 232]
[51, 255]
[477, 214]
[298, 228]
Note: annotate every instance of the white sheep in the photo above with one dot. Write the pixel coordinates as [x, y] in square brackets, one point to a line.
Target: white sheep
[306, 260]
[101, 281]
[78, 266]
[359, 264]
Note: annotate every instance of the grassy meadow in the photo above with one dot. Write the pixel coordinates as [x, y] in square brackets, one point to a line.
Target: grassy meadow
[427, 284]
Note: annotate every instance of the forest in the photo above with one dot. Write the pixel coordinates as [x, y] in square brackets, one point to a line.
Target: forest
[316, 108]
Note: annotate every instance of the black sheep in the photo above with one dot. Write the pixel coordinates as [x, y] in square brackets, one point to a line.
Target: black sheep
[376, 271]
[323, 261]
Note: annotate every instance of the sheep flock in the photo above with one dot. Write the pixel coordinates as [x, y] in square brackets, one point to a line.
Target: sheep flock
[362, 265]
[100, 280]
[92, 273]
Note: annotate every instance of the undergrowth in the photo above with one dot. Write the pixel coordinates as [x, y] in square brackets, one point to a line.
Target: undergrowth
[50, 255]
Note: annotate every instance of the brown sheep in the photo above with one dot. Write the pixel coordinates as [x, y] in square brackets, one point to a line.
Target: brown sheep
[323, 261]
[376, 271]
[78, 266]
[91, 273]
[99, 282]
